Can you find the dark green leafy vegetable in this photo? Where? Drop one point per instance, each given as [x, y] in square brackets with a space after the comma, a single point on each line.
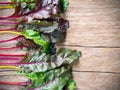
[41, 62]
[48, 80]
[71, 85]
[50, 72]
[37, 9]
[53, 30]
[24, 4]
[34, 36]
[64, 4]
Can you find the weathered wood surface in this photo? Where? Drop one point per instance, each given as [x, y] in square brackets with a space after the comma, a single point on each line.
[97, 81]
[95, 31]
[98, 59]
[94, 23]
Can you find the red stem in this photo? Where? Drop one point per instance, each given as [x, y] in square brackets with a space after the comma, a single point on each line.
[7, 2]
[17, 63]
[13, 55]
[16, 83]
[8, 23]
[12, 2]
[7, 29]
[10, 58]
[9, 48]
[12, 39]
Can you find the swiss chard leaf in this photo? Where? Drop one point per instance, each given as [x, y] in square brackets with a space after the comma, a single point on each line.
[49, 79]
[53, 30]
[35, 36]
[41, 62]
[38, 9]
[64, 5]
[71, 85]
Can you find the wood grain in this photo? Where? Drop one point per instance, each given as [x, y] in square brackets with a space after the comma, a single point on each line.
[95, 31]
[97, 81]
[94, 23]
[97, 59]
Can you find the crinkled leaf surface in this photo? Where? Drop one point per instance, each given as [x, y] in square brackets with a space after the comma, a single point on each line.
[54, 79]
[53, 30]
[41, 62]
[35, 36]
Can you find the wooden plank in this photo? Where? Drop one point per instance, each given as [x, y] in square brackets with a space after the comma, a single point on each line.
[84, 80]
[97, 81]
[98, 59]
[91, 25]
[95, 3]
[12, 78]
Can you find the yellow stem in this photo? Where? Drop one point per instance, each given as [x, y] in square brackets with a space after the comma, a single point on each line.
[11, 32]
[6, 7]
[9, 67]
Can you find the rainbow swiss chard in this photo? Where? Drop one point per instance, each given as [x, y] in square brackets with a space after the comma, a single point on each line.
[33, 35]
[46, 71]
[31, 9]
[53, 30]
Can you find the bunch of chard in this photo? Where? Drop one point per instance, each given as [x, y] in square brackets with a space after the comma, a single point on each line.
[39, 9]
[41, 28]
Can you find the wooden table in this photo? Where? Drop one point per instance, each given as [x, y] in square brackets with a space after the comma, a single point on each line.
[95, 31]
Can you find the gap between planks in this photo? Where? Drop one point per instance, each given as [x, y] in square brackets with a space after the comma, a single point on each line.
[88, 46]
[96, 72]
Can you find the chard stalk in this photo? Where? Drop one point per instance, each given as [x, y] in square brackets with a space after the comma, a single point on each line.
[13, 55]
[9, 67]
[11, 32]
[6, 7]
[15, 83]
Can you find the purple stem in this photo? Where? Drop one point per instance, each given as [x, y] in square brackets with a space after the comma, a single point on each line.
[10, 58]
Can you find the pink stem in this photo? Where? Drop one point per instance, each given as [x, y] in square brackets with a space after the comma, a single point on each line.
[12, 39]
[13, 55]
[12, 2]
[7, 2]
[9, 48]
[8, 23]
[18, 63]
[10, 58]
[16, 83]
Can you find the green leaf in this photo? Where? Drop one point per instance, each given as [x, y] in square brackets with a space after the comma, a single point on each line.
[64, 4]
[53, 30]
[71, 85]
[41, 62]
[54, 79]
[35, 36]
[24, 4]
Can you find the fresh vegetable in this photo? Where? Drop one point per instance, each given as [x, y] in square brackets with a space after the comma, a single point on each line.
[53, 30]
[32, 9]
[63, 5]
[32, 35]
[46, 71]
